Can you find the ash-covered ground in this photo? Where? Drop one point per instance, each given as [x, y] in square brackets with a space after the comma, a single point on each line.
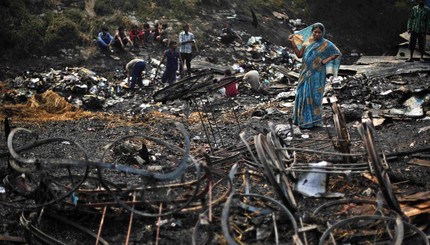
[132, 148]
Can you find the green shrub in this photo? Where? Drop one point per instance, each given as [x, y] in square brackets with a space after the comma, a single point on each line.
[103, 8]
[29, 39]
[60, 33]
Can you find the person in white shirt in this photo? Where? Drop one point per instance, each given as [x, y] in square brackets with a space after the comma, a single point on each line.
[186, 42]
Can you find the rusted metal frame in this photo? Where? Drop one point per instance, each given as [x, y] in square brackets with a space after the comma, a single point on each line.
[346, 165]
[129, 202]
[180, 170]
[355, 219]
[157, 237]
[278, 142]
[247, 186]
[33, 160]
[322, 152]
[181, 89]
[225, 222]
[205, 130]
[278, 160]
[212, 113]
[231, 103]
[181, 204]
[50, 240]
[250, 150]
[313, 144]
[38, 166]
[101, 225]
[190, 184]
[127, 239]
[342, 142]
[38, 142]
[271, 168]
[303, 167]
[215, 202]
[345, 172]
[226, 213]
[366, 130]
[14, 239]
[212, 122]
[168, 176]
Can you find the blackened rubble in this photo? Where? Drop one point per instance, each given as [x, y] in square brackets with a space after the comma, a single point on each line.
[208, 182]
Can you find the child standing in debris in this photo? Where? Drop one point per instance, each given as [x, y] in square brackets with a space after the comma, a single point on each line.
[317, 53]
[418, 26]
[134, 70]
[172, 57]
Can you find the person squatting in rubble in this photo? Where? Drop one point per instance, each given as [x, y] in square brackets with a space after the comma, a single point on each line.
[104, 40]
[418, 26]
[163, 35]
[172, 57]
[136, 36]
[186, 42]
[230, 90]
[148, 35]
[121, 39]
[134, 70]
[228, 35]
[317, 52]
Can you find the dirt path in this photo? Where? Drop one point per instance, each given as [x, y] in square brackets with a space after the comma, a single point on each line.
[89, 7]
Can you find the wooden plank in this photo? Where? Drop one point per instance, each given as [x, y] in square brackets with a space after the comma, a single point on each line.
[366, 60]
[420, 162]
[12, 239]
[416, 210]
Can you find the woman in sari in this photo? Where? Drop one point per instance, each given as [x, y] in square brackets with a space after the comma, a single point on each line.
[319, 55]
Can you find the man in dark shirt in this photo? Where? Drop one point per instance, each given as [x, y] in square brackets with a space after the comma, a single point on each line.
[418, 26]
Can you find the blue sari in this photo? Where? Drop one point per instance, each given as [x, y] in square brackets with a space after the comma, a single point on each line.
[310, 88]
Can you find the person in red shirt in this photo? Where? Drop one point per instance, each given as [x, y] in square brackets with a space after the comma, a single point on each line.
[136, 36]
[231, 88]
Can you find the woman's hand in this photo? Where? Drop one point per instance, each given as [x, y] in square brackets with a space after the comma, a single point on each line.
[326, 60]
[291, 38]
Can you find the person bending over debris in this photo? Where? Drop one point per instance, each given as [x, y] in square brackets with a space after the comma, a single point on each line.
[253, 78]
[186, 42]
[418, 26]
[317, 53]
[172, 57]
[104, 40]
[228, 35]
[134, 70]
